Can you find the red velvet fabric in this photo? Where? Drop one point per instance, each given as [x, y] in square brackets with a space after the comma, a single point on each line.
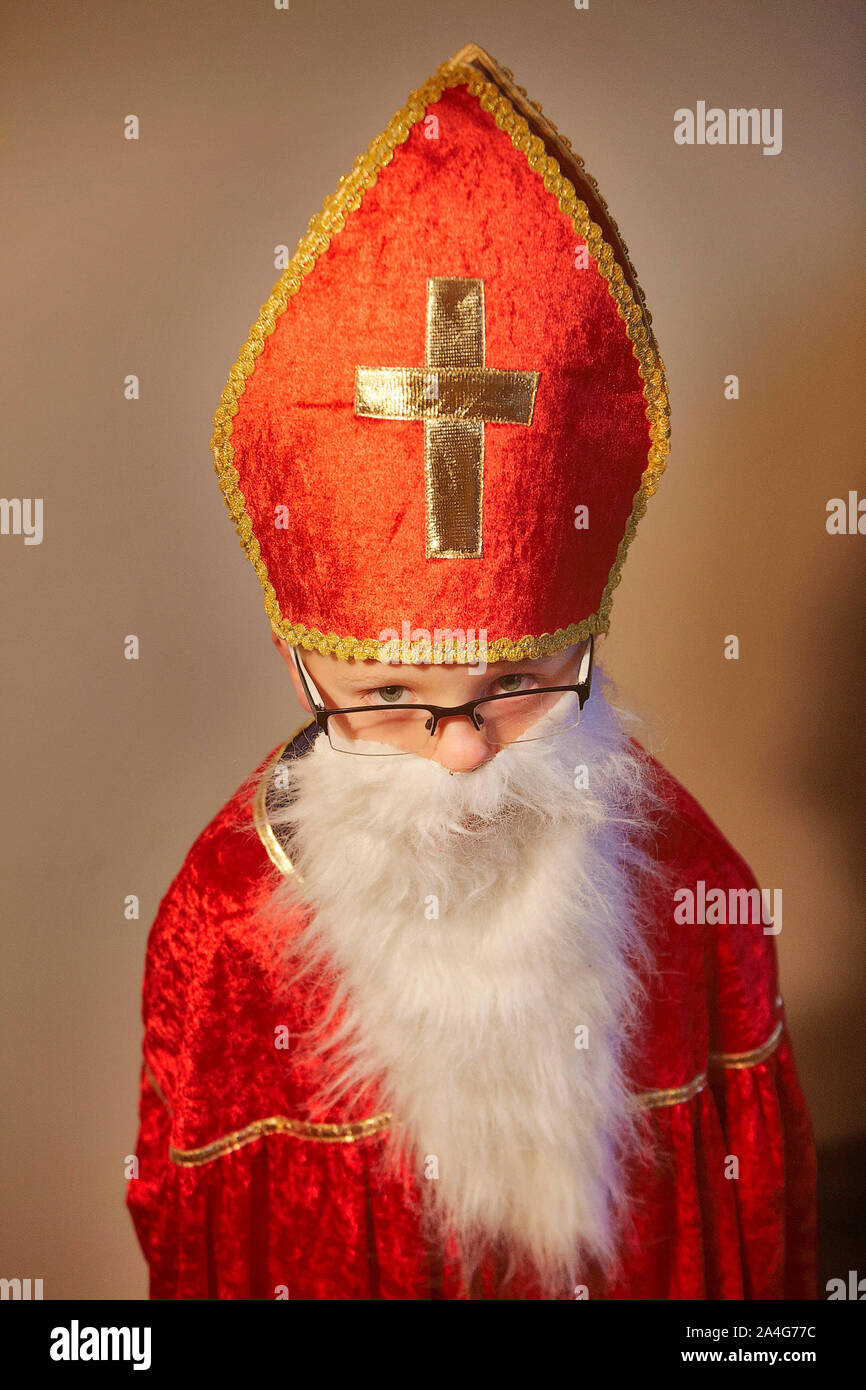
[318, 1218]
[352, 561]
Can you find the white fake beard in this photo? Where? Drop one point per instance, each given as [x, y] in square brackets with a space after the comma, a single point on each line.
[466, 1021]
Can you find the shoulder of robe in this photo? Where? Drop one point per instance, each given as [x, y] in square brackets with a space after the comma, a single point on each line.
[740, 945]
[222, 869]
[204, 917]
[688, 839]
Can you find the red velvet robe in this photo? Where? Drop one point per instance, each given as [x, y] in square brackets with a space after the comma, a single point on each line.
[244, 1192]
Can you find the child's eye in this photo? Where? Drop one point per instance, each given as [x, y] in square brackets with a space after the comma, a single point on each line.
[511, 684]
[390, 694]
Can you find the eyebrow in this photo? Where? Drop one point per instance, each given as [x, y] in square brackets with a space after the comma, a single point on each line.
[359, 682]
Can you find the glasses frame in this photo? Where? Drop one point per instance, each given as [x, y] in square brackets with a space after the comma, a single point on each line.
[323, 714]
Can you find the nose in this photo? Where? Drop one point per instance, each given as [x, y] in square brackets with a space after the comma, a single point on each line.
[458, 745]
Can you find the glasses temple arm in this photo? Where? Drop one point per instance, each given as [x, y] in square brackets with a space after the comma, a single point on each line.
[313, 698]
[584, 675]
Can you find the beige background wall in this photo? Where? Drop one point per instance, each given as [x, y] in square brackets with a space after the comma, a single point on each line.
[154, 257]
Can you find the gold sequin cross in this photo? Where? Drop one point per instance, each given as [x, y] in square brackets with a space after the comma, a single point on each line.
[456, 396]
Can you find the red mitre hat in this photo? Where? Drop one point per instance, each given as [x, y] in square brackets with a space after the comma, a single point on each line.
[451, 411]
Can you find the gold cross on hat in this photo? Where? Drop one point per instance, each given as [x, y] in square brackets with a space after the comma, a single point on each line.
[456, 396]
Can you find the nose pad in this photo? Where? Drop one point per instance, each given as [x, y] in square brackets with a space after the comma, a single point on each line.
[428, 725]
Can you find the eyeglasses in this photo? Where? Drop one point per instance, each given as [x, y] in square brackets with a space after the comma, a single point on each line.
[400, 728]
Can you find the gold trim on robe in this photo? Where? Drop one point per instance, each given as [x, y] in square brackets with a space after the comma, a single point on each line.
[352, 1131]
[675, 1095]
[671, 1095]
[155, 1086]
[274, 849]
[279, 1124]
[756, 1055]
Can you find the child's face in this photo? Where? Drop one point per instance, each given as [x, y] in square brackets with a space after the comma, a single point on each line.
[457, 744]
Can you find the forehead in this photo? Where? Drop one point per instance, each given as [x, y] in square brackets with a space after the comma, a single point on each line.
[392, 673]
